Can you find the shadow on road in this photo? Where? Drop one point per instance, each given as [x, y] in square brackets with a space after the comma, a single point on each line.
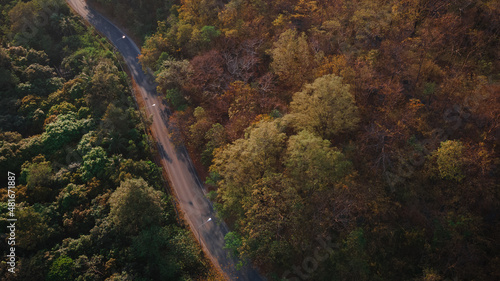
[163, 152]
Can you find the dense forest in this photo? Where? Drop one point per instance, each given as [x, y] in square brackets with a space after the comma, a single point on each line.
[342, 140]
[90, 201]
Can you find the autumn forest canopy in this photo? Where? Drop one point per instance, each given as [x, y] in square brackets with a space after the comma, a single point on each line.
[373, 123]
[365, 130]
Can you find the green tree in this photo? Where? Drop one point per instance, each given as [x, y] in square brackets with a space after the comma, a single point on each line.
[7, 76]
[172, 77]
[116, 119]
[72, 196]
[151, 248]
[173, 74]
[21, 13]
[135, 206]
[326, 107]
[40, 80]
[38, 177]
[186, 252]
[129, 168]
[209, 33]
[38, 74]
[313, 163]
[37, 172]
[65, 129]
[104, 86]
[61, 269]
[176, 99]
[32, 230]
[87, 142]
[35, 24]
[94, 163]
[232, 242]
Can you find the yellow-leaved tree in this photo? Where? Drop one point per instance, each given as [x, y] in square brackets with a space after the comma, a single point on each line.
[326, 107]
[292, 58]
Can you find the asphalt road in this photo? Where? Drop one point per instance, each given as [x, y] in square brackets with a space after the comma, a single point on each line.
[187, 187]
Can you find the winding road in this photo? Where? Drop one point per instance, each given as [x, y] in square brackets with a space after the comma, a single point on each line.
[189, 191]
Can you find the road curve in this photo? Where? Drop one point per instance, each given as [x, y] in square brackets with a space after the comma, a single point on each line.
[189, 191]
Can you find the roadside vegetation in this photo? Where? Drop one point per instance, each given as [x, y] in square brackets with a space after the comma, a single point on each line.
[90, 202]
